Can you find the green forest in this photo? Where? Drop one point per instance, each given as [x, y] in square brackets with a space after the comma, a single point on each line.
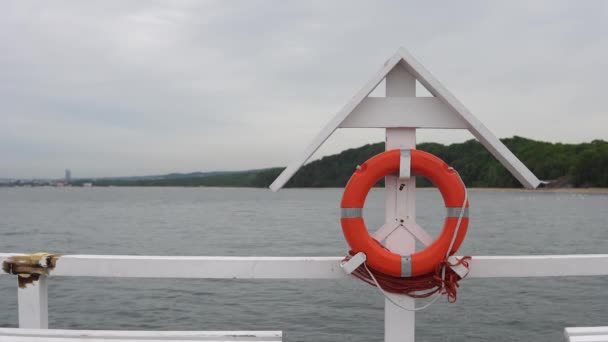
[564, 165]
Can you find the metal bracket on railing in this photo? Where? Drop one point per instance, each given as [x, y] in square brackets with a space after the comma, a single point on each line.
[30, 267]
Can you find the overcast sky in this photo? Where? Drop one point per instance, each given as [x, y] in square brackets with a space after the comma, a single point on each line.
[110, 88]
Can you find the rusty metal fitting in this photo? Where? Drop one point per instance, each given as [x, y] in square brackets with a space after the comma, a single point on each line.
[30, 267]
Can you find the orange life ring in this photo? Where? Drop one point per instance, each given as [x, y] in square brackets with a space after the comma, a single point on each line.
[378, 257]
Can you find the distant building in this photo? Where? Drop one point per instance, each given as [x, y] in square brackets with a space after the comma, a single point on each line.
[68, 176]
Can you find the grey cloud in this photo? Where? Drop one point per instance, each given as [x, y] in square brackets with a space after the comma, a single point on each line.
[127, 87]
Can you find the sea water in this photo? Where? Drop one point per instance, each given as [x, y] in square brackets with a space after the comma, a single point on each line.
[298, 222]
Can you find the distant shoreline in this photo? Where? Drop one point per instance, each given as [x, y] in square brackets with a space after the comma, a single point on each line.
[566, 167]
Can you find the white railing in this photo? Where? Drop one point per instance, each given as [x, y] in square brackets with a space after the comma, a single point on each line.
[33, 305]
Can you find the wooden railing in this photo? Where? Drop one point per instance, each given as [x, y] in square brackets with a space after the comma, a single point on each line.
[33, 304]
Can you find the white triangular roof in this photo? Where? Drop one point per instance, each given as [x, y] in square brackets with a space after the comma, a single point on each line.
[446, 107]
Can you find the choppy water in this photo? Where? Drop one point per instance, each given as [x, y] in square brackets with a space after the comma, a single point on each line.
[214, 221]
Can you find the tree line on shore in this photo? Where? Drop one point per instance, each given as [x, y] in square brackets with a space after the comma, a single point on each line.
[564, 165]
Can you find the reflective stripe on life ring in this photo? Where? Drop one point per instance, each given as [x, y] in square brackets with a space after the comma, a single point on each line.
[378, 257]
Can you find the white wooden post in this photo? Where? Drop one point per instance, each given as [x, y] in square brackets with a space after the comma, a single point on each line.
[399, 324]
[33, 305]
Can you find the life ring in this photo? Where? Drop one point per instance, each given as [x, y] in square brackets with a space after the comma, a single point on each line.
[378, 257]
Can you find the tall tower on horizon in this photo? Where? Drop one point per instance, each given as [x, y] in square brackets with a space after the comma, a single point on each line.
[68, 176]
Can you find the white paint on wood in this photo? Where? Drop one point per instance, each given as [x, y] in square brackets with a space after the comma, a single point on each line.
[586, 334]
[333, 124]
[485, 137]
[400, 138]
[582, 331]
[58, 335]
[419, 233]
[593, 338]
[401, 61]
[400, 324]
[217, 267]
[400, 205]
[539, 266]
[420, 112]
[589, 338]
[400, 83]
[387, 229]
[209, 267]
[33, 305]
